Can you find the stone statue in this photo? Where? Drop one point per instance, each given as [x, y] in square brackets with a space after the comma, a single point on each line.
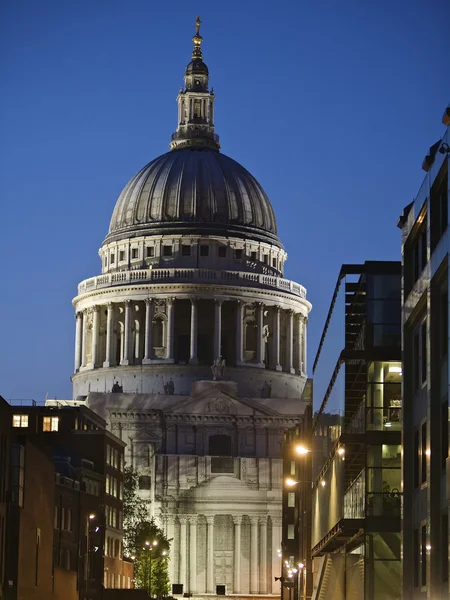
[265, 339]
[169, 388]
[218, 367]
[266, 390]
[116, 388]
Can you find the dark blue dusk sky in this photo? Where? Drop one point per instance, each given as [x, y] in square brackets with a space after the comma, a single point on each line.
[331, 105]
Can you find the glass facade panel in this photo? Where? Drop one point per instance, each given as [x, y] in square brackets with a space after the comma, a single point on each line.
[383, 566]
[383, 402]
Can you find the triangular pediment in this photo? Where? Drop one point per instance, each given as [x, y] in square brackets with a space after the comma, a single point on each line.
[219, 400]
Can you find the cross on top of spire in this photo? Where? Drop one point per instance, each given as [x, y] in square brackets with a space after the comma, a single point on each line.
[197, 39]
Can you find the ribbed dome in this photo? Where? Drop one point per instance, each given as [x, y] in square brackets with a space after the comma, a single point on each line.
[194, 191]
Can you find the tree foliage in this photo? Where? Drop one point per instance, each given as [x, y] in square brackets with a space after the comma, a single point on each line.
[143, 540]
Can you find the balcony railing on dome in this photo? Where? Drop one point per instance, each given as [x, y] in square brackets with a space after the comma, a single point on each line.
[190, 275]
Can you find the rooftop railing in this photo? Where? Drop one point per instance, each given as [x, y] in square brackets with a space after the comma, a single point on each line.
[190, 276]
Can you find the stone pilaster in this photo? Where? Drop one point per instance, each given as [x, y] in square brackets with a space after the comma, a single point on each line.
[210, 556]
[276, 338]
[95, 336]
[276, 545]
[193, 359]
[109, 361]
[254, 566]
[259, 334]
[290, 341]
[263, 557]
[192, 553]
[183, 551]
[148, 343]
[78, 340]
[237, 520]
[84, 338]
[217, 328]
[239, 332]
[170, 328]
[127, 334]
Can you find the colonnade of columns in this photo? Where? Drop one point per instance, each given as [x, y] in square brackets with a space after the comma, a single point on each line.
[124, 332]
[262, 575]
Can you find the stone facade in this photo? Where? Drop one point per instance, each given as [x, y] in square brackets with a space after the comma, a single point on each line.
[192, 276]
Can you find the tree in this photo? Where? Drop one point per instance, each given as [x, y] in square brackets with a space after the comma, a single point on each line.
[143, 540]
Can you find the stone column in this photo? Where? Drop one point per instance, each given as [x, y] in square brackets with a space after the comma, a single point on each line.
[193, 554]
[263, 557]
[78, 340]
[298, 366]
[148, 344]
[276, 338]
[171, 536]
[276, 561]
[193, 359]
[170, 328]
[305, 322]
[290, 341]
[210, 556]
[95, 335]
[127, 334]
[259, 334]
[182, 549]
[217, 328]
[239, 332]
[83, 338]
[237, 555]
[254, 575]
[109, 335]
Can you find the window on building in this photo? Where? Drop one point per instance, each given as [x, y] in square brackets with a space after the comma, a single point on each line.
[20, 420]
[416, 558]
[291, 531]
[274, 263]
[121, 255]
[55, 519]
[108, 484]
[416, 459]
[121, 490]
[144, 482]
[266, 259]
[167, 250]
[439, 207]
[219, 445]
[420, 354]
[291, 500]
[185, 250]
[50, 423]
[222, 251]
[238, 254]
[423, 555]
[197, 109]
[18, 473]
[253, 256]
[204, 250]
[292, 467]
[135, 253]
[105, 261]
[112, 259]
[150, 251]
[68, 520]
[423, 466]
[415, 255]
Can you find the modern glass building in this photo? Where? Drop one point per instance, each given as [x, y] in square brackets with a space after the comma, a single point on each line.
[356, 489]
[426, 468]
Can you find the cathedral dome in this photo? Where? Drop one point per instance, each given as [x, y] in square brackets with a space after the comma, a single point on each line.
[196, 191]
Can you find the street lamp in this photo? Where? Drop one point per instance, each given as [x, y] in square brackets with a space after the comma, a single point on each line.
[90, 517]
[149, 547]
[302, 450]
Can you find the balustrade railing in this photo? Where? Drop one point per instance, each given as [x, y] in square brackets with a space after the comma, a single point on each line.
[191, 275]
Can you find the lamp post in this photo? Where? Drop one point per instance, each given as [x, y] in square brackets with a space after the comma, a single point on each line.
[90, 517]
[149, 547]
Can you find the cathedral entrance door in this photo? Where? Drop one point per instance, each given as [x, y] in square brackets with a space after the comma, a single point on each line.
[223, 568]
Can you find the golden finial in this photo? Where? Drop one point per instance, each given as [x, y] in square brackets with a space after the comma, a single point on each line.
[197, 39]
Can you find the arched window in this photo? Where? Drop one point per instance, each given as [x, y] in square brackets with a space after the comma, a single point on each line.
[220, 445]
